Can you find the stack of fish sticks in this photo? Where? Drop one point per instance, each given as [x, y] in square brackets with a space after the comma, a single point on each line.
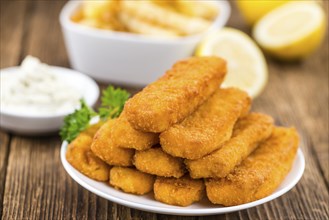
[184, 137]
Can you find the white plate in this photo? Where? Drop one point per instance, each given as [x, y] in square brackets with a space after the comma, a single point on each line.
[147, 202]
[35, 124]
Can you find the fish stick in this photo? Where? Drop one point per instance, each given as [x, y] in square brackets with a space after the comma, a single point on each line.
[208, 127]
[131, 180]
[176, 94]
[153, 13]
[248, 133]
[123, 135]
[104, 147]
[182, 192]
[80, 156]
[155, 161]
[258, 175]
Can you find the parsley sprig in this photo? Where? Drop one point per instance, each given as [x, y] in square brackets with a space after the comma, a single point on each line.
[76, 122]
[112, 103]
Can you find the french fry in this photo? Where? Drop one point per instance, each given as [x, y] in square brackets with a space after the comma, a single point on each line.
[102, 14]
[137, 25]
[156, 14]
[165, 4]
[203, 9]
[96, 9]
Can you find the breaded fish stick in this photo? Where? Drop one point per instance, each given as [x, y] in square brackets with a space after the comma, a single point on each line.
[153, 13]
[183, 191]
[176, 94]
[131, 180]
[247, 134]
[123, 135]
[80, 156]
[208, 127]
[104, 147]
[258, 175]
[155, 161]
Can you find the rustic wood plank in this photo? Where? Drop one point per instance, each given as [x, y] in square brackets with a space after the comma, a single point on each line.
[10, 35]
[12, 32]
[44, 38]
[4, 149]
[32, 179]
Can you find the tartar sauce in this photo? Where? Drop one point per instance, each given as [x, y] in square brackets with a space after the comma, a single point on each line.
[36, 90]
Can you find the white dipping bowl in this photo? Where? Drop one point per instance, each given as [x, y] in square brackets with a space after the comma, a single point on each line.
[31, 124]
[126, 58]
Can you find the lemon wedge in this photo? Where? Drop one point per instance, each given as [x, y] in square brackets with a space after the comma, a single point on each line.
[247, 69]
[253, 10]
[291, 31]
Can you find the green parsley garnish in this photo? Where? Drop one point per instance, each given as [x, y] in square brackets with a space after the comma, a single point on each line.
[76, 122]
[112, 103]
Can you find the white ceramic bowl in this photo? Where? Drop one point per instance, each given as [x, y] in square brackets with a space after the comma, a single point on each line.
[28, 124]
[125, 58]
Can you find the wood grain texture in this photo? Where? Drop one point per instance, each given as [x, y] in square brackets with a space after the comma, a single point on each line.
[10, 52]
[37, 187]
[12, 31]
[4, 149]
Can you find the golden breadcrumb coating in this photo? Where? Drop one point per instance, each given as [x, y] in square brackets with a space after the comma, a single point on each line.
[208, 127]
[260, 174]
[182, 192]
[124, 135]
[103, 146]
[175, 95]
[247, 134]
[80, 156]
[131, 180]
[157, 162]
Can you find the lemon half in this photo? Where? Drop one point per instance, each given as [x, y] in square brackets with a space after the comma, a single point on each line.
[253, 10]
[291, 31]
[247, 69]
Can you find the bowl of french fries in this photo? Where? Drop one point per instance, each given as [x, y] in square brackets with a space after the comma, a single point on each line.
[134, 42]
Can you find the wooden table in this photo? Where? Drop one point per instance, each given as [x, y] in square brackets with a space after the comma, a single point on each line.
[34, 185]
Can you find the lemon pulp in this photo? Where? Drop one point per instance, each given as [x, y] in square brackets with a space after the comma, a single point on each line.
[291, 31]
[247, 68]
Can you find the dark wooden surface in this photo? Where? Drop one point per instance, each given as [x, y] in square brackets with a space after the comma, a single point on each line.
[34, 185]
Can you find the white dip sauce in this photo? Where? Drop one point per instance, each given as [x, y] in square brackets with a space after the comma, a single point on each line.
[36, 90]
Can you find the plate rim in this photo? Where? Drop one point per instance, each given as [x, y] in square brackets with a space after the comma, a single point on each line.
[184, 212]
